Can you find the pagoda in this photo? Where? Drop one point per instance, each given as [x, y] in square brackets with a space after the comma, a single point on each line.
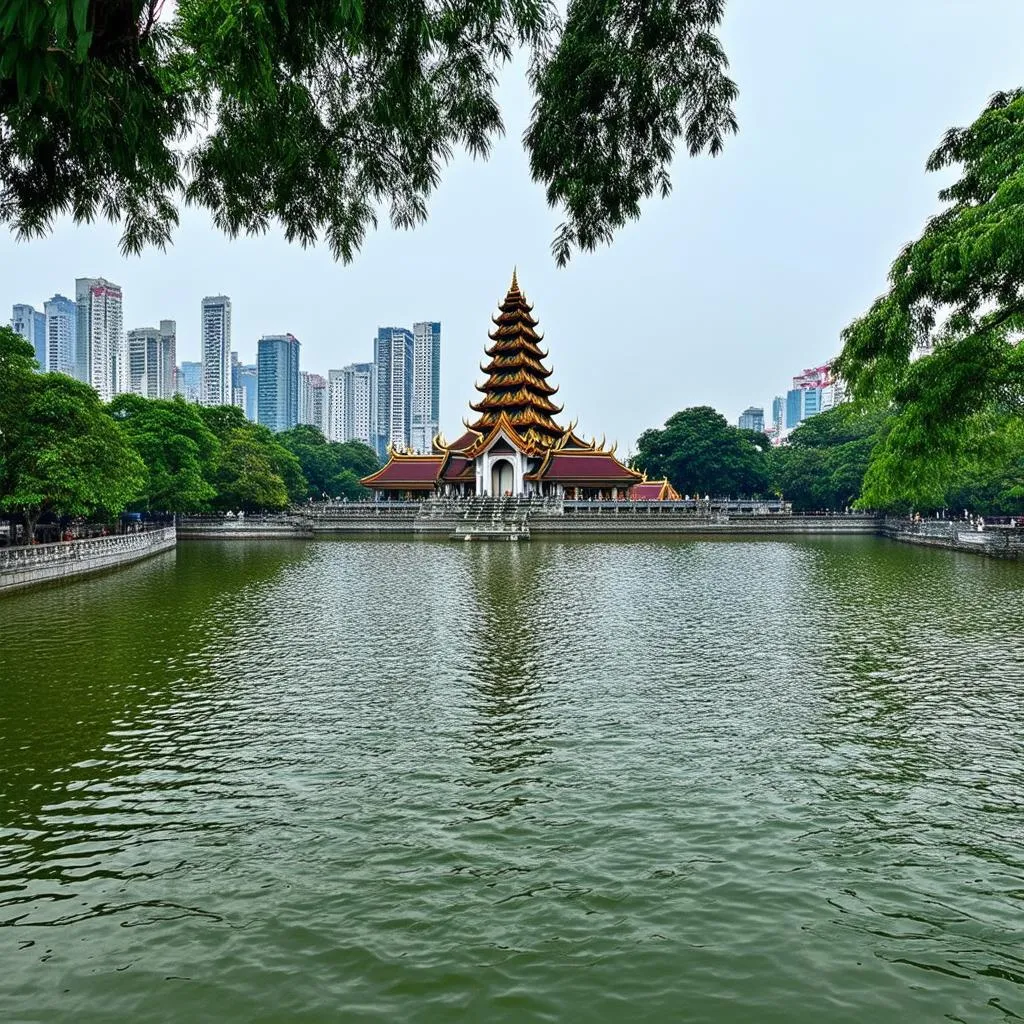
[517, 382]
[514, 447]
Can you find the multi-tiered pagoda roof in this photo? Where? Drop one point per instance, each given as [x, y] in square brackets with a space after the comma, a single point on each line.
[517, 379]
[515, 416]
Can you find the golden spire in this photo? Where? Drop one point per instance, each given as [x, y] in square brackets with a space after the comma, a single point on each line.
[516, 376]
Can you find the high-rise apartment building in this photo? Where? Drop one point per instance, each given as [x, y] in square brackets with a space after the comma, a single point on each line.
[142, 343]
[168, 355]
[277, 367]
[31, 325]
[313, 400]
[426, 385]
[102, 350]
[351, 404]
[752, 418]
[215, 340]
[392, 355]
[778, 412]
[237, 394]
[336, 394]
[248, 382]
[61, 334]
[190, 381]
[151, 360]
[811, 390]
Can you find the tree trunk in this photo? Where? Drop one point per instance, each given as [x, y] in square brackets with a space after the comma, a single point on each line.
[30, 525]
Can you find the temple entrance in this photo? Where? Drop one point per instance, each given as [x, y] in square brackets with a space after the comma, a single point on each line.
[502, 478]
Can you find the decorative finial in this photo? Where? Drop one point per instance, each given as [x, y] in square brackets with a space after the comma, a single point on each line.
[515, 282]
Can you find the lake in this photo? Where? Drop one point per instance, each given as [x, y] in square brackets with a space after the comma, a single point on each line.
[779, 780]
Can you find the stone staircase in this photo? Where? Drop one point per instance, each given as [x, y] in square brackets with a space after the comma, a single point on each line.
[493, 519]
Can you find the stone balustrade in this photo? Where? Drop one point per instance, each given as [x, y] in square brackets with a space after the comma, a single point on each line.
[997, 540]
[41, 563]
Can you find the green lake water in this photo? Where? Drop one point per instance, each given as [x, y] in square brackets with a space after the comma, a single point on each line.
[554, 781]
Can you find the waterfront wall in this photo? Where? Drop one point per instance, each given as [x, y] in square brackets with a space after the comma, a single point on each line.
[579, 518]
[284, 527]
[445, 518]
[993, 541]
[603, 522]
[44, 563]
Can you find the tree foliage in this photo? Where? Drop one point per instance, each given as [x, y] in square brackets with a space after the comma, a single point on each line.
[253, 471]
[701, 453]
[959, 288]
[177, 449]
[247, 476]
[65, 455]
[320, 115]
[823, 464]
[330, 467]
[17, 362]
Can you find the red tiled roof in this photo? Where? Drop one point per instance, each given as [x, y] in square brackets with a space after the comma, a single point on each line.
[653, 490]
[600, 467]
[417, 472]
[646, 491]
[464, 442]
[459, 469]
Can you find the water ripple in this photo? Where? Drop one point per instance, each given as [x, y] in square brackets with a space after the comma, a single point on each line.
[702, 781]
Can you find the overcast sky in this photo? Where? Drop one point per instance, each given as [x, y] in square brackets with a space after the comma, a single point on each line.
[744, 276]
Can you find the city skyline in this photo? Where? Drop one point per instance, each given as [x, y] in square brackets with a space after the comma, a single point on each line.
[393, 401]
[218, 333]
[748, 272]
[420, 419]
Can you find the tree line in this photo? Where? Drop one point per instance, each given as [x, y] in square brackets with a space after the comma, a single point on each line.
[829, 462]
[65, 454]
[935, 366]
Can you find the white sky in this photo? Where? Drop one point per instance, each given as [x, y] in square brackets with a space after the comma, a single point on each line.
[744, 276]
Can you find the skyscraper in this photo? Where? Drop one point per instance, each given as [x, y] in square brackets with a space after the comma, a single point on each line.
[807, 396]
[190, 381]
[277, 365]
[61, 334]
[215, 337]
[752, 418]
[426, 385]
[351, 404]
[237, 394]
[151, 359]
[778, 412]
[248, 381]
[142, 342]
[32, 327]
[102, 349]
[313, 400]
[168, 354]
[392, 355]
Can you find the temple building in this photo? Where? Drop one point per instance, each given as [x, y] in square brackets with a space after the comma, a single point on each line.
[514, 447]
[653, 490]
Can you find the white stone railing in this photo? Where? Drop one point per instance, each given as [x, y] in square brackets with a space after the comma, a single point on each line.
[22, 559]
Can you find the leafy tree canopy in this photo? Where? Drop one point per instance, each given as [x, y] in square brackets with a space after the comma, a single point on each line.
[222, 420]
[701, 453]
[823, 464]
[330, 467]
[67, 456]
[959, 287]
[177, 449]
[319, 115]
[247, 476]
[17, 363]
[253, 469]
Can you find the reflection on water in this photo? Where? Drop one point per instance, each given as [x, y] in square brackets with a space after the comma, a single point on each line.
[508, 672]
[776, 781]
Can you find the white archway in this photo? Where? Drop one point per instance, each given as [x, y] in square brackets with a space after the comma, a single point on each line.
[502, 477]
